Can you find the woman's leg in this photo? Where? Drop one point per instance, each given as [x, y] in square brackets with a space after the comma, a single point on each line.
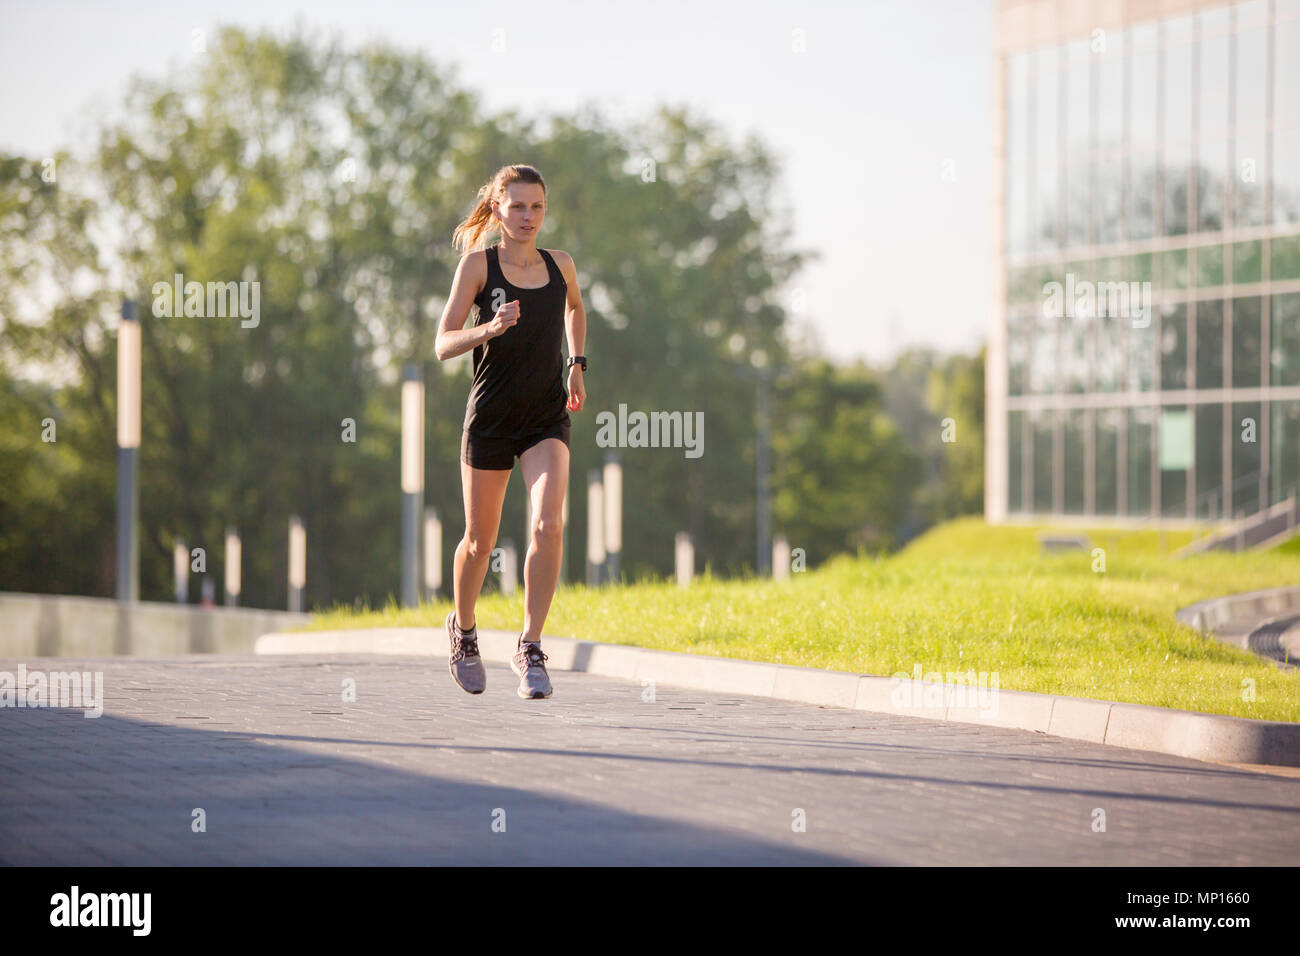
[545, 468]
[484, 492]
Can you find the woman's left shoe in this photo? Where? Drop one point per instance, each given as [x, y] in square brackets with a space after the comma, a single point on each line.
[529, 664]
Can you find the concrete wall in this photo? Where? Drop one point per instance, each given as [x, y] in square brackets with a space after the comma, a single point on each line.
[46, 625]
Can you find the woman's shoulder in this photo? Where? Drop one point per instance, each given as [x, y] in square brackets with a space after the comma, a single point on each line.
[475, 268]
[564, 262]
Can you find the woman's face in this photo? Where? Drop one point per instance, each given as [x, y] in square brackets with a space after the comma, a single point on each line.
[521, 213]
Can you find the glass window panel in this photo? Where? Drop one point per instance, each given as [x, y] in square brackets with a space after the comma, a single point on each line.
[1075, 428]
[1144, 37]
[1143, 136]
[1285, 255]
[1248, 184]
[1078, 207]
[1043, 370]
[1110, 95]
[1286, 69]
[1106, 461]
[1043, 425]
[1244, 436]
[1142, 195]
[1251, 13]
[1022, 285]
[1176, 440]
[1246, 342]
[1110, 354]
[1177, 190]
[1078, 123]
[1285, 340]
[1247, 262]
[1252, 79]
[1284, 439]
[1174, 270]
[1108, 198]
[1138, 268]
[1047, 132]
[1209, 344]
[1015, 462]
[1018, 154]
[1213, 75]
[1216, 20]
[1209, 266]
[1083, 270]
[1142, 358]
[1173, 348]
[1209, 461]
[1286, 176]
[1178, 82]
[1078, 65]
[1141, 437]
[1178, 30]
[1017, 354]
[1076, 359]
[1177, 132]
[1211, 186]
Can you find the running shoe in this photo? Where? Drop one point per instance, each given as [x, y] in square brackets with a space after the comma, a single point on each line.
[466, 665]
[529, 664]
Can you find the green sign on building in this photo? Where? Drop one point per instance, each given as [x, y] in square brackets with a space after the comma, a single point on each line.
[1175, 440]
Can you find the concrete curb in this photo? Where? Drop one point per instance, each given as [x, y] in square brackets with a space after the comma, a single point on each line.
[1199, 736]
[1248, 606]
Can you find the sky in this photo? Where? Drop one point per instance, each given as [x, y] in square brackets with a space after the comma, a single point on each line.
[878, 112]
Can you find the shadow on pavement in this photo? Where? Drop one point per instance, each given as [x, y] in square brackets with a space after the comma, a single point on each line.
[118, 791]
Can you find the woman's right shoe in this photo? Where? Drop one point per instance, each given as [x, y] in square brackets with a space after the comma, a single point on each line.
[466, 665]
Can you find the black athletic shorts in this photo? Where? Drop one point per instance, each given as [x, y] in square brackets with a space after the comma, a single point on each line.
[499, 454]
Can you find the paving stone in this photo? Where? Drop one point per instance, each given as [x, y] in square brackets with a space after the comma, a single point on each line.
[415, 772]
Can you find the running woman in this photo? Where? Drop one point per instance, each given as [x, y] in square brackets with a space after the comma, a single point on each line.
[517, 406]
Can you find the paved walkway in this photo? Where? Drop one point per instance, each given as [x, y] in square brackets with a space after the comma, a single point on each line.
[415, 771]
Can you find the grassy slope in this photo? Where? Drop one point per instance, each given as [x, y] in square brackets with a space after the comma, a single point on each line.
[965, 596]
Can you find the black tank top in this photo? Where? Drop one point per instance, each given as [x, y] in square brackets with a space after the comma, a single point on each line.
[519, 375]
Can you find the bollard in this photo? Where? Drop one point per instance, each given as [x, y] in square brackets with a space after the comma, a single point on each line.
[297, 563]
[780, 558]
[684, 559]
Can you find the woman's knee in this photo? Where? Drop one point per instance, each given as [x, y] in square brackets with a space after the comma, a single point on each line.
[478, 544]
[547, 528]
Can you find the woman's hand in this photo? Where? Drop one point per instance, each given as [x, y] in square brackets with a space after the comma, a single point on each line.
[506, 316]
[577, 393]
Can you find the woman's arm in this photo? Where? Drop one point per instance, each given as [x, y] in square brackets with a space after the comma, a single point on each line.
[575, 316]
[453, 338]
[575, 323]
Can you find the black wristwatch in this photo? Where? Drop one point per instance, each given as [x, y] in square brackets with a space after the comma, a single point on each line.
[577, 360]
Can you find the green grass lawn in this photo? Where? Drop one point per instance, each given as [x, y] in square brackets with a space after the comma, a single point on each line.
[965, 596]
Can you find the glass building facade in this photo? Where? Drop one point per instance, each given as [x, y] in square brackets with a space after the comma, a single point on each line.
[1144, 361]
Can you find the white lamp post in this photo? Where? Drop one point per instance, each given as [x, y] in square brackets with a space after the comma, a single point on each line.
[595, 528]
[128, 441]
[432, 552]
[412, 480]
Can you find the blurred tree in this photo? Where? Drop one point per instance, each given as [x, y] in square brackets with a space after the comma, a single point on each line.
[845, 475]
[333, 179]
[937, 401]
